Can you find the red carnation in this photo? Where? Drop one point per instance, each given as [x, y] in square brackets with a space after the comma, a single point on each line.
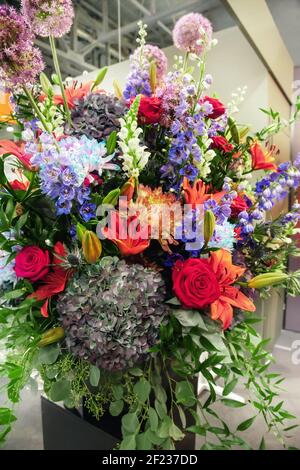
[32, 263]
[221, 143]
[194, 283]
[218, 107]
[238, 205]
[150, 110]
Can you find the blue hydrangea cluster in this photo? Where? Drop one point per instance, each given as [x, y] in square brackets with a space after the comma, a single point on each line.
[63, 168]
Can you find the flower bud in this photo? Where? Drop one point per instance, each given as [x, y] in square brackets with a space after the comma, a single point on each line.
[128, 189]
[80, 229]
[51, 336]
[91, 246]
[267, 279]
[209, 225]
[152, 74]
[112, 197]
[117, 89]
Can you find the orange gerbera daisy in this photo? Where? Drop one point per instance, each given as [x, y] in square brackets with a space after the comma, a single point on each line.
[227, 274]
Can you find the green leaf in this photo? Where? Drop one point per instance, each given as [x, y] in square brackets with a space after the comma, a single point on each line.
[48, 354]
[100, 77]
[4, 433]
[94, 376]
[153, 437]
[143, 441]
[117, 391]
[128, 443]
[229, 387]
[185, 394]
[160, 408]
[60, 390]
[116, 407]
[163, 430]
[232, 403]
[182, 416]
[173, 301]
[136, 372]
[175, 433]
[130, 423]
[160, 393]
[14, 294]
[262, 445]
[111, 143]
[246, 424]
[189, 318]
[153, 418]
[142, 389]
[6, 416]
[197, 429]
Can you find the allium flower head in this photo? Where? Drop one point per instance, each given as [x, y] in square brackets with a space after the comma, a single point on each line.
[156, 55]
[49, 17]
[20, 62]
[193, 33]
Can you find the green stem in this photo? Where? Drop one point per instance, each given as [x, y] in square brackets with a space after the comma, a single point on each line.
[186, 56]
[36, 109]
[58, 73]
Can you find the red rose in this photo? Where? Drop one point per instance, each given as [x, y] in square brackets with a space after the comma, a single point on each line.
[32, 263]
[218, 107]
[150, 110]
[221, 143]
[194, 283]
[238, 205]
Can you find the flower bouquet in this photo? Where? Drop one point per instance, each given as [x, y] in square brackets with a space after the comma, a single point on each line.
[134, 243]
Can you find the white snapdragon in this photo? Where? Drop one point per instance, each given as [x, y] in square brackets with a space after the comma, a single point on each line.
[134, 155]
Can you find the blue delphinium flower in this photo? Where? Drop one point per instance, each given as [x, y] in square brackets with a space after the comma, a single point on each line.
[63, 170]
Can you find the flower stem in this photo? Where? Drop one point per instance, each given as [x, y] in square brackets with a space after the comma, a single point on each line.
[36, 109]
[58, 73]
[39, 114]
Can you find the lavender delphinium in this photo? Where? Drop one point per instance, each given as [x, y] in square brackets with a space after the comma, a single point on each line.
[156, 55]
[49, 18]
[64, 172]
[138, 80]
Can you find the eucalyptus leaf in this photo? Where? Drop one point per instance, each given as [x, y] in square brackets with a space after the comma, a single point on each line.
[116, 407]
[60, 390]
[189, 318]
[128, 443]
[142, 389]
[94, 376]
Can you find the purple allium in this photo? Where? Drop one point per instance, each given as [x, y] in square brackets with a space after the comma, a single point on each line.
[193, 33]
[156, 55]
[49, 18]
[20, 62]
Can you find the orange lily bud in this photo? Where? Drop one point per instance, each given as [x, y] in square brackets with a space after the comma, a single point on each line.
[128, 188]
[91, 246]
[267, 279]
[51, 336]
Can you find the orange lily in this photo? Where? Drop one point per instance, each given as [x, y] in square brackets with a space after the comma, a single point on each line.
[7, 146]
[262, 160]
[119, 233]
[231, 296]
[198, 193]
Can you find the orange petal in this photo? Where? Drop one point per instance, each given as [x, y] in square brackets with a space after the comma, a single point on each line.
[221, 263]
[235, 297]
[222, 310]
